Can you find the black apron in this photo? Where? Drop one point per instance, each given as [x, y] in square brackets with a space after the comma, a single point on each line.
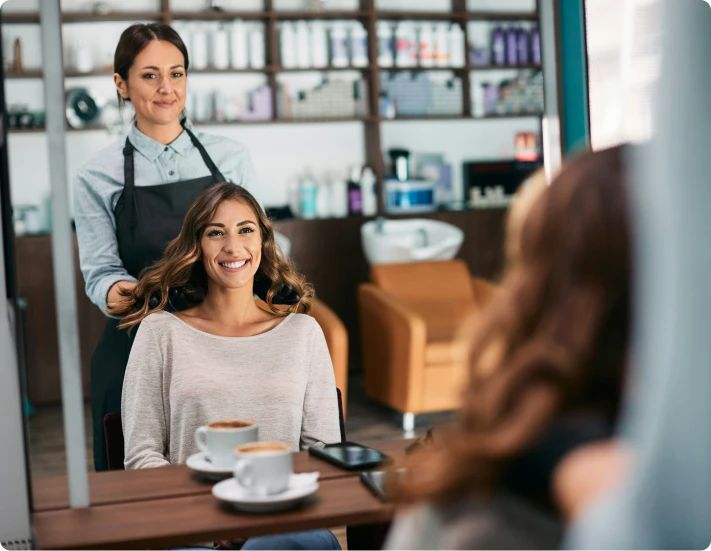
[147, 218]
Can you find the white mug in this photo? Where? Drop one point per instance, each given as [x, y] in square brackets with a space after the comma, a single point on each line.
[218, 440]
[264, 468]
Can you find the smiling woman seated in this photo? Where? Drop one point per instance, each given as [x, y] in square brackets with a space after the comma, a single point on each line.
[224, 357]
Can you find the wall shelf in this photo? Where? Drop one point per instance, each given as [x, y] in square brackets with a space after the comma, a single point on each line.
[525, 67]
[367, 14]
[31, 73]
[115, 16]
[220, 15]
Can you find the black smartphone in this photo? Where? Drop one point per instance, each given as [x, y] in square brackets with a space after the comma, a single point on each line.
[374, 481]
[350, 456]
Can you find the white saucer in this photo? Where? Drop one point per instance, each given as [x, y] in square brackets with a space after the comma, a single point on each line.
[232, 493]
[200, 463]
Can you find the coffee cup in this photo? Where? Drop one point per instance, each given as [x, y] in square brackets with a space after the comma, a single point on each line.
[264, 468]
[219, 439]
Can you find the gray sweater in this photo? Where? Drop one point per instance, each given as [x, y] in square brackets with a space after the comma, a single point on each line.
[179, 378]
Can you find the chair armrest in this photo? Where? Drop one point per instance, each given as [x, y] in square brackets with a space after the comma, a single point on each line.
[337, 342]
[483, 291]
[393, 338]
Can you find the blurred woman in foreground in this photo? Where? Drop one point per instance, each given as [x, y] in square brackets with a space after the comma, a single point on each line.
[546, 375]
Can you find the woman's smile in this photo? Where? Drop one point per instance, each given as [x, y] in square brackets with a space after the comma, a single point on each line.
[234, 265]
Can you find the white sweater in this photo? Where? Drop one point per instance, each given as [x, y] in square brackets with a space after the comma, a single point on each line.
[179, 378]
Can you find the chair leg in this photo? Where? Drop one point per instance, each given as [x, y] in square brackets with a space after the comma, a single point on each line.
[408, 422]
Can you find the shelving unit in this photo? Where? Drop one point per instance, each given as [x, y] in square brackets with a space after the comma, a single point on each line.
[368, 15]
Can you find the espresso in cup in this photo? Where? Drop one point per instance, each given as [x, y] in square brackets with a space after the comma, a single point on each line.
[219, 439]
[264, 468]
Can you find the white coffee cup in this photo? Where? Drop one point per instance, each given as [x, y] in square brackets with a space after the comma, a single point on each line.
[218, 440]
[264, 468]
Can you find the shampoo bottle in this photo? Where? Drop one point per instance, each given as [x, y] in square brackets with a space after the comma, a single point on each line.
[319, 44]
[359, 46]
[427, 49]
[303, 45]
[442, 45]
[370, 197]
[238, 45]
[385, 44]
[512, 46]
[287, 45]
[456, 46]
[339, 45]
[256, 47]
[355, 194]
[498, 46]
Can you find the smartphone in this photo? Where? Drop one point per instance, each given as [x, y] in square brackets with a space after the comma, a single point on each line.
[374, 481]
[350, 456]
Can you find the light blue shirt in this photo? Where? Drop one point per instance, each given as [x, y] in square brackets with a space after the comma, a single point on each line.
[99, 183]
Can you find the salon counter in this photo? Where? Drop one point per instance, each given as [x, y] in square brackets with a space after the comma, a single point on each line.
[328, 251]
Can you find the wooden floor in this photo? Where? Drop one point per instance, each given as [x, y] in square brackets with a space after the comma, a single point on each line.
[365, 421]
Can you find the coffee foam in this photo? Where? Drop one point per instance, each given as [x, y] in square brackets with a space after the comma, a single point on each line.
[227, 425]
[263, 447]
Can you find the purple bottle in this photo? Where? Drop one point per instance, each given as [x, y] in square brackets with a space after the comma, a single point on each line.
[512, 46]
[491, 98]
[498, 46]
[524, 50]
[536, 46]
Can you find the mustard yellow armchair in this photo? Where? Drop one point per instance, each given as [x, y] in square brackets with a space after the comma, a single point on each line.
[412, 317]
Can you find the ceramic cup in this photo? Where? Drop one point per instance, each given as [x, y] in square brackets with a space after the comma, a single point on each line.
[264, 468]
[219, 439]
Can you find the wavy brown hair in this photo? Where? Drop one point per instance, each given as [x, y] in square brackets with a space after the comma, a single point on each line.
[554, 339]
[181, 268]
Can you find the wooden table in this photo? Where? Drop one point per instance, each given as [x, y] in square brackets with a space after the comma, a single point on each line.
[168, 506]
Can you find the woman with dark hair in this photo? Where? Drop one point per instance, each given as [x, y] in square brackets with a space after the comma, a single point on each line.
[224, 357]
[546, 374]
[131, 197]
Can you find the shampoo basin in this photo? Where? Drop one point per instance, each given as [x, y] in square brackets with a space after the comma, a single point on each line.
[411, 240]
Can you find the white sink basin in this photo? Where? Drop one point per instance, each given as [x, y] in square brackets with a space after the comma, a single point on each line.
[412, 240]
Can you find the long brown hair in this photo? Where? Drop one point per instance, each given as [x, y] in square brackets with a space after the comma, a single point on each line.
[554, 339]
[181, 266]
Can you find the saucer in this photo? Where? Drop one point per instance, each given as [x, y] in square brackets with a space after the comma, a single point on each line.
[300, 486]
[200, 463]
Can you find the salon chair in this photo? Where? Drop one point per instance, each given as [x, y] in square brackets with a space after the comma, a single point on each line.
[415, 321]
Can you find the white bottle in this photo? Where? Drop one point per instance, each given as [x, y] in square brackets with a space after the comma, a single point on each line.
[339, 45]
[339, 196]
[442, 45]
[385, 44]
[456, 46]
[370, 197]
[323, 200]
[427, 46]
[256, 47]
[319, 44]
[403, 54]
[303, 45]
[83, 57]
[220, 48]
[239, 54]
[359, 46]
[199, 57]
[287, 45]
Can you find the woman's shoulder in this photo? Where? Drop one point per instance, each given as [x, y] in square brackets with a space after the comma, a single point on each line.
[159, 323]
[503, 522]
[305, 322]
[106, 161]
[230, 145]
